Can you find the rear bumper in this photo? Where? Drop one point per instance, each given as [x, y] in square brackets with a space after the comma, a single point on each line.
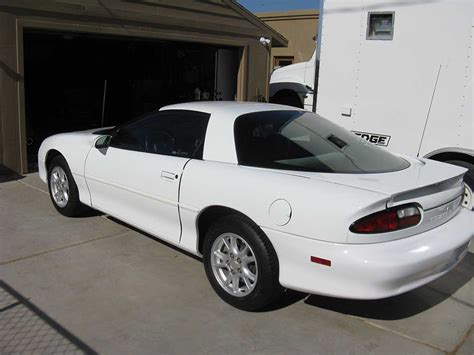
[373, 271]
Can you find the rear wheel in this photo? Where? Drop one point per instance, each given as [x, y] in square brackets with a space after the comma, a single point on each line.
[63, 189]
[241, 264]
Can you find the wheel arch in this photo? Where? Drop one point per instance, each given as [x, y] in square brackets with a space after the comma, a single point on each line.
[288, 93]
[211, 214]
[446, 154]
[451, 155]
[297, 88]
[50, 155]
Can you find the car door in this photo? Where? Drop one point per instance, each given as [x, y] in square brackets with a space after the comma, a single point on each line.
[136, 178]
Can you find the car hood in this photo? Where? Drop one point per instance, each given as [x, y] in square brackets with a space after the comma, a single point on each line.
[95, 131]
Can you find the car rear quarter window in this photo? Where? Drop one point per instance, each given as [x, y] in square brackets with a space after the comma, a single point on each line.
[298, 140]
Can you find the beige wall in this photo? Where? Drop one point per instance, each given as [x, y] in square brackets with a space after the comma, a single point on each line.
[299, 27]
[222, 23]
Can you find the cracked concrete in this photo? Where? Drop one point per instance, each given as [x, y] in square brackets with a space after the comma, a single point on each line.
[121, 291]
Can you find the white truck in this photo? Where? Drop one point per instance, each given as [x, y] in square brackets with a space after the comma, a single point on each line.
[397, 73]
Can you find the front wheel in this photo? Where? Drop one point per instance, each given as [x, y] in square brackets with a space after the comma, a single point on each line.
[63, 189]
[241, 264]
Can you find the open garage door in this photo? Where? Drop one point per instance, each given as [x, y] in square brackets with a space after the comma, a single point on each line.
[226, 75]
[77, 81]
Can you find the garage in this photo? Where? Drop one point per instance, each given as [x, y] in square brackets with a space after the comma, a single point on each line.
[95, 81]
[77, 64]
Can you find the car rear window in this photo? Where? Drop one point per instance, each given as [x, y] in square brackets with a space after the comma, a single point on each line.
[304, 141]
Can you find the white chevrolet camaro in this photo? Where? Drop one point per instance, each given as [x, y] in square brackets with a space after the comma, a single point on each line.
[271, 197]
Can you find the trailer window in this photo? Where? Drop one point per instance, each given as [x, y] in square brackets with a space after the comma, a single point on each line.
[299, 140]
[380, 25]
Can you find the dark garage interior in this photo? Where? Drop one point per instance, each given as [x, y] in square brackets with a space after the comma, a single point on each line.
[77, 81]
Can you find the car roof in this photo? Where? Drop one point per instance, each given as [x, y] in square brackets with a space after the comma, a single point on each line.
[236, 108]
[218, 145]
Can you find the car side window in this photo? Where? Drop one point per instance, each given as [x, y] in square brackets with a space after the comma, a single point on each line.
[178, 133]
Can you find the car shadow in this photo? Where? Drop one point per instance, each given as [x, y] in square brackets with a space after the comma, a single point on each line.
[113, 219]
[90, 212]
[288, 298]
[393, 308]
[407, 304]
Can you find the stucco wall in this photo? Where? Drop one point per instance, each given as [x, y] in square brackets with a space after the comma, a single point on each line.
[299, 27]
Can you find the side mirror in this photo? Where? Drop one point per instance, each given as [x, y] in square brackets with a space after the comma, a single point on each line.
[103, 142]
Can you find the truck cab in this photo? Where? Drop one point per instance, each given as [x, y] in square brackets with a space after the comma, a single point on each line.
[294, 84]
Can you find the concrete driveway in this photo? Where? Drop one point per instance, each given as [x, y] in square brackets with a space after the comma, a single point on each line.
[91, 284]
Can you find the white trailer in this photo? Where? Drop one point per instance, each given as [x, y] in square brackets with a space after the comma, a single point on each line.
[398, 73]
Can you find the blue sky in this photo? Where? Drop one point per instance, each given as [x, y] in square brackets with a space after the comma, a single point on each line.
[277, 5]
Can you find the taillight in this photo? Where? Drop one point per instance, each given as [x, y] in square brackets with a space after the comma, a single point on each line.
[390, 220]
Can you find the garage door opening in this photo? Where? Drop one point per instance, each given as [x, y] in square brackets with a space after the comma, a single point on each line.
[79, 81]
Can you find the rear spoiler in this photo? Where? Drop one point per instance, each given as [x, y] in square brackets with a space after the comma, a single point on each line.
[430, 196]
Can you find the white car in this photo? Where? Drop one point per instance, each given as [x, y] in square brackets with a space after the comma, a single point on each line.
[271, 197]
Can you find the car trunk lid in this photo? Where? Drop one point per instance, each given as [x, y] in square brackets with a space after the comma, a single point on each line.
[426, 182]
[437, 187]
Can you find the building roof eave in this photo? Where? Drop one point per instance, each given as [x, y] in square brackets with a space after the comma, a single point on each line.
[278, 40]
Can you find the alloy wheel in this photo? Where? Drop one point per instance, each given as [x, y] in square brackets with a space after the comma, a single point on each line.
[59, 186]
[234, 264]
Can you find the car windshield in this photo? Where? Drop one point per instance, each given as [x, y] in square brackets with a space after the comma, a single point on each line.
[296, 140]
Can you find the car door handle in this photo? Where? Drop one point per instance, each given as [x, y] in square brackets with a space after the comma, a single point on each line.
[167, 175]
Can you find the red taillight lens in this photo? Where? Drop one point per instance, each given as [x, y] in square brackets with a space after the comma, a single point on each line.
[388, 221]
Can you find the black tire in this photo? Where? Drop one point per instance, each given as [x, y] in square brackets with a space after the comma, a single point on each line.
[267, 289]
[469, 175]
[288, 98]
[73, 207]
